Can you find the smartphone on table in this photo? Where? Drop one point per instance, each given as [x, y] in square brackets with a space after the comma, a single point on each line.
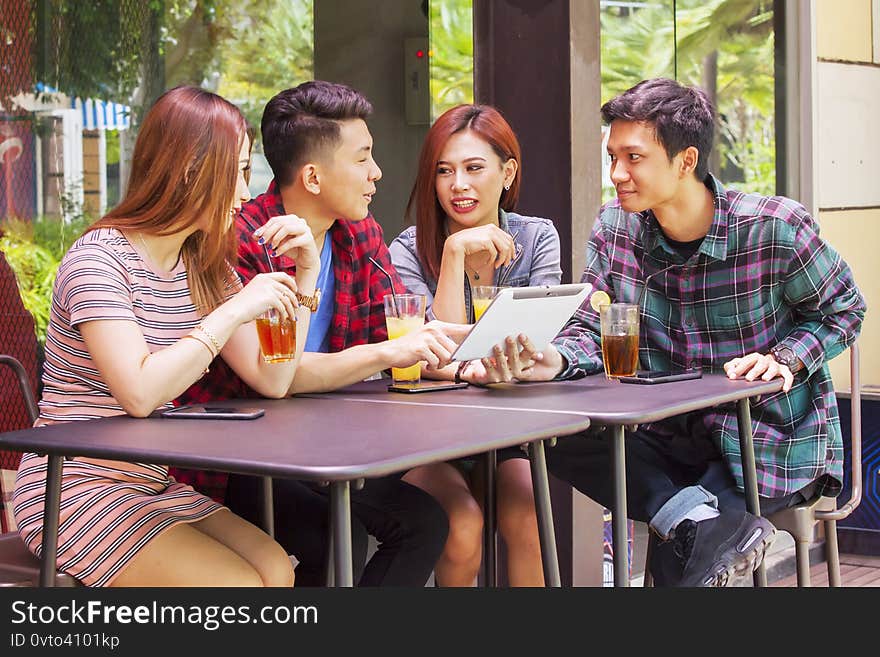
[213, 412]
[425, 386]
[662, 376]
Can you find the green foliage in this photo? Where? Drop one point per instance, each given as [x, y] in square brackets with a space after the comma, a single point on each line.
[34, 251]
[452, 54]
[112, 142]
[640, 43]
[91, 49]
[273, 50]
[245, 50]
[131, 50]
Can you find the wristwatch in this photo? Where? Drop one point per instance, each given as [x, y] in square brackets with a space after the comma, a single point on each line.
[310, 302]
[785, 356]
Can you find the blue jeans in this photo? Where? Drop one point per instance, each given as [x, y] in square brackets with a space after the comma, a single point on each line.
[666, 475]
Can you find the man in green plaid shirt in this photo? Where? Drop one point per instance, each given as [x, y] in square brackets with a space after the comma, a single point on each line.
[728, 282]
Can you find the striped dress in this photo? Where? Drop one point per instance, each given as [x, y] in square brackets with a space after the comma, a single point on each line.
[109, 510]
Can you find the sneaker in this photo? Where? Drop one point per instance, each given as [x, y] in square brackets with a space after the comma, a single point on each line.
[709, 553]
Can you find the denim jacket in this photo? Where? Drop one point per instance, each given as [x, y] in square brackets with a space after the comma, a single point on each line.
[537, 264]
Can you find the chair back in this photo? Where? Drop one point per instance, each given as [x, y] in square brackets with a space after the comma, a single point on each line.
[844, 510]
[24, 386]
[17, 340]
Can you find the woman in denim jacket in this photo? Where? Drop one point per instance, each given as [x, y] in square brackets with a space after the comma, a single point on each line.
[466, 234]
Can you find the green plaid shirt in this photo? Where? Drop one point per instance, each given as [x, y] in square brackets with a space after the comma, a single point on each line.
[762, 277]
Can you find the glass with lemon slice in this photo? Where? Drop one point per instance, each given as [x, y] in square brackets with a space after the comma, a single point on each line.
[619, 323]
[599, 298]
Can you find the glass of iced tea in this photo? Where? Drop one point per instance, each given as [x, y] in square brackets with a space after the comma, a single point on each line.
[620, 338]
[277, 336]
[404, 313]
[481, 297]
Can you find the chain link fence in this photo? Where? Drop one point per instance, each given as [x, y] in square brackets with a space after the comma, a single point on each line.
[63, 64]
[76, 76]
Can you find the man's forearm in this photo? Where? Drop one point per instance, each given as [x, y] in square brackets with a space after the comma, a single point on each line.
[320, 372]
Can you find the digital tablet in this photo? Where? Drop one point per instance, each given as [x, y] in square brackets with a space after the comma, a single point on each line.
[538, 312]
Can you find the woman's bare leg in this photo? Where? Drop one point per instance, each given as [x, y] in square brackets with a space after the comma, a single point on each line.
[518, 523]
[221, 550]
[460, 561]
[252, 544]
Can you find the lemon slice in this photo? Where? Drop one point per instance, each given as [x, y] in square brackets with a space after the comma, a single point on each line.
[599, 298]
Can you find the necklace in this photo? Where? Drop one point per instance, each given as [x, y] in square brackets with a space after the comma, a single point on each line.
[147, 249]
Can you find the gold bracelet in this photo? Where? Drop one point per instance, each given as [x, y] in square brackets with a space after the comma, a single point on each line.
[203, 342]
[210, 336]
[205, 345]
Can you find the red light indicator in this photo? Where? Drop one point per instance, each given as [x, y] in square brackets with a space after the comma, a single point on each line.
[420, 53]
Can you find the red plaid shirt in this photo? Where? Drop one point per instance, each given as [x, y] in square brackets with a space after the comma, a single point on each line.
[358, 313]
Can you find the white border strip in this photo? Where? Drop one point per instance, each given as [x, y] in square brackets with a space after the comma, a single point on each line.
[477, 406]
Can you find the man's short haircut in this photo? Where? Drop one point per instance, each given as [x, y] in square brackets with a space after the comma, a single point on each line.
[681, 116]
[301, 122]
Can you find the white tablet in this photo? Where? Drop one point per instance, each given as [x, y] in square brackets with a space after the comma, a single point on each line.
[538, 312]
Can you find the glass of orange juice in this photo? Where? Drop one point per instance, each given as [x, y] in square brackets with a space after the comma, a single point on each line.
[481, 297]
[404, 313]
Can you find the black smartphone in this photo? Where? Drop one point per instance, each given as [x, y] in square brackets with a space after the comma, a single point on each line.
[663, 376]
[213, 413]
[426, 386]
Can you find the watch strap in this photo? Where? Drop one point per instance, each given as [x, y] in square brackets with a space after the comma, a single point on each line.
[785, 355]
[309, 301]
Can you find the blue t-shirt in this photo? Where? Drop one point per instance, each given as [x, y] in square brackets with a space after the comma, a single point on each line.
[319, 326]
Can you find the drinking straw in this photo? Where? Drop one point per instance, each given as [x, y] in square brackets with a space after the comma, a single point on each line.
[394, 305]
[268, 257]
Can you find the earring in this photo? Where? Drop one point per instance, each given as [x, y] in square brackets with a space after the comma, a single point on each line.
[507, 188]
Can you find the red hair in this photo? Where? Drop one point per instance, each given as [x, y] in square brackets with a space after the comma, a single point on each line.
[185, 169]
[423, 206]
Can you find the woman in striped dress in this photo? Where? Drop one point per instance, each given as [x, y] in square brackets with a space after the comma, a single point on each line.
[142, 304]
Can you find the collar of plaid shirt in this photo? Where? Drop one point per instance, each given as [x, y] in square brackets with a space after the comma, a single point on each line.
[358, 316]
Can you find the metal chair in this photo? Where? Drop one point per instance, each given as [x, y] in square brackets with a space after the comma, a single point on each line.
[800, 521]
[18, 567]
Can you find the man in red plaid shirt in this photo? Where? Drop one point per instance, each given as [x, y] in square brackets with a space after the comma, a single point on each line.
[320, 150]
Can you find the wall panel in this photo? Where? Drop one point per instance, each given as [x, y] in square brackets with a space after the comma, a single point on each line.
[855, 234]
[848, 150]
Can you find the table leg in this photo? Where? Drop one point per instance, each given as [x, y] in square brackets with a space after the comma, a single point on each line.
[268, 507]
[618, 515]
[490, 576]
[340, 505]
[330, 579]
[750, 475]
[541, 488]
[48, 563]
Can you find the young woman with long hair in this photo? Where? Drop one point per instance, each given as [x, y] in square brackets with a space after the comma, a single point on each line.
[142, 304]
[465, 234]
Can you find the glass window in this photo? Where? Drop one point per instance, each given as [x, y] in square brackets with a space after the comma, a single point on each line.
[451, 34]
[724, 46]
